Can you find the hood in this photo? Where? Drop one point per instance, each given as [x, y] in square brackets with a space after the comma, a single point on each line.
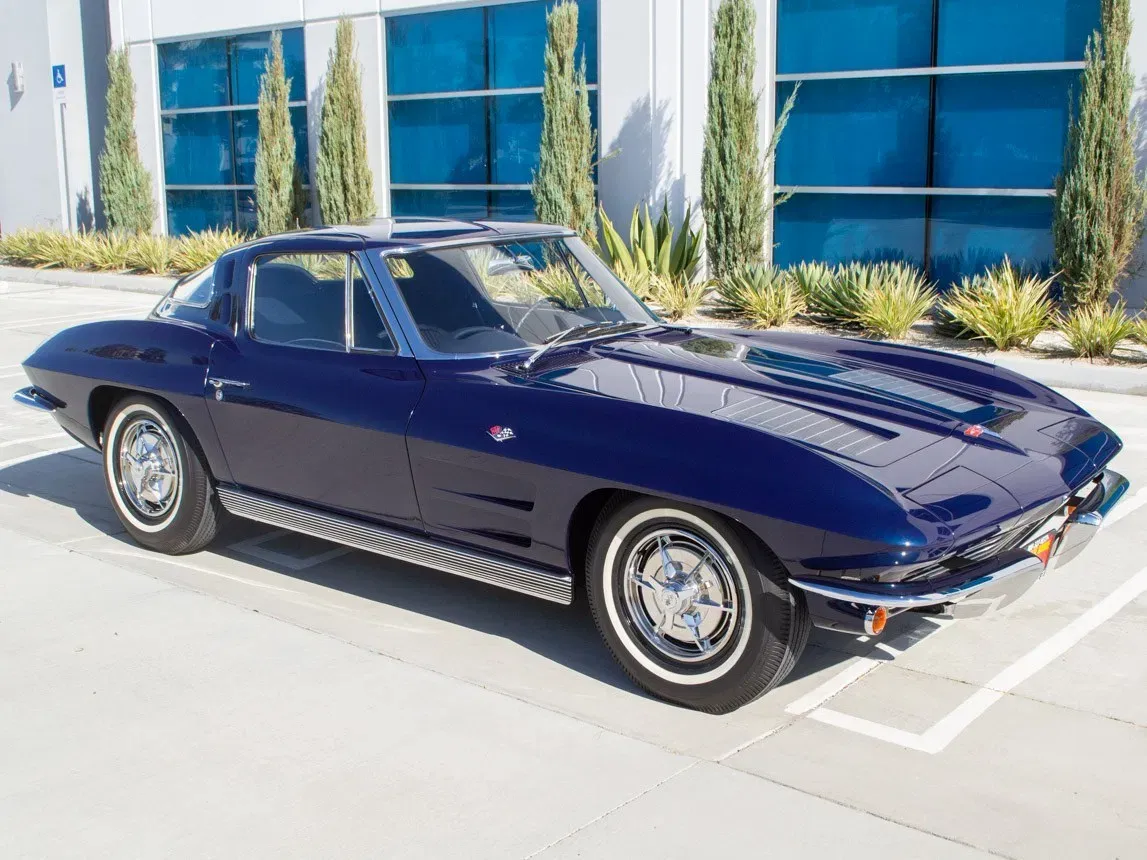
[901, 415]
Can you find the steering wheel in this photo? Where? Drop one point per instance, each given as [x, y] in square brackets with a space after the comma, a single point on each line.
[553, 300]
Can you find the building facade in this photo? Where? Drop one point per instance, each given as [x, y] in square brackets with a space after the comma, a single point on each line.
[923, 130]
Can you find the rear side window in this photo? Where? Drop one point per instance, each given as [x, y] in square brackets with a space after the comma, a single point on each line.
[300, 300]
[196, 288]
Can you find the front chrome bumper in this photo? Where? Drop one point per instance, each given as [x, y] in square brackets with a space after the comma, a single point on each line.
[972, 591]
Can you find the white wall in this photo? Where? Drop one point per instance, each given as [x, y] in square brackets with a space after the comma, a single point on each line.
[1135, 288]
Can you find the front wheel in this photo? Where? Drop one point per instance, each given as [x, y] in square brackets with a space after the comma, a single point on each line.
[694, 611]
[157, 481]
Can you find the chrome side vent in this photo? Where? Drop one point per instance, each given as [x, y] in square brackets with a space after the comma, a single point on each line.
[555, 587]
[803, 425]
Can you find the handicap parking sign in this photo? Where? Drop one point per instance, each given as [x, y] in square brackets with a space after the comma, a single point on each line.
[59, 77]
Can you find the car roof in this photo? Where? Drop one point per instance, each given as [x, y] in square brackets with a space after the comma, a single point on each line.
[413, 232]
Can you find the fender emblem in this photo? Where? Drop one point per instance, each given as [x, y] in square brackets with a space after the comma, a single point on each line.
[501, 434]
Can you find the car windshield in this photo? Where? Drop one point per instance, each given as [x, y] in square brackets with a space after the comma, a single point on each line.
[502, 296]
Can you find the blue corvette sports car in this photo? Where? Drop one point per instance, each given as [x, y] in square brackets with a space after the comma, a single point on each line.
[489, 400]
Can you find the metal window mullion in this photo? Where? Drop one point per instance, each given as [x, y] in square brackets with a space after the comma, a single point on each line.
[921, 71]
[223, 108]
[912, 190]
[930, 155]
[463, 94]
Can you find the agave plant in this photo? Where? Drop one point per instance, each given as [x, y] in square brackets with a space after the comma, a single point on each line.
[895, 300]
[1005, 306]
[653, 249]
[677, 297]
[151, 254]
[1093, 331]
[1139, 329]
[839, 299]
[766, 295]
[811, 277]
[198, 250]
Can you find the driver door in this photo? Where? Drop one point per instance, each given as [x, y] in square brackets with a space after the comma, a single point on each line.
[312, 398]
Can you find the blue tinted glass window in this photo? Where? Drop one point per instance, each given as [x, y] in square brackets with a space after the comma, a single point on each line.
[192, 211]
[468, 205]
[840, 35]
[438, 140]
[197, 149]
[246, 127]
[436, 52]
[838, 228]
[517, 39]
[515, 137]
[968, 234]
[1001, 131]
[977, 32]
[248, 62]
[193, 74]
[512, 206]
[863, 131]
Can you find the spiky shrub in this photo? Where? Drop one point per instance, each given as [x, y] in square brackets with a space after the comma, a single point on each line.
[278, 182]
[765, 295]
[734, 198]
[653, 247]
[1139, 329]
[197, 250]
[811, 278]
[343, 175]
[1100, 198]
[1093, 331]
[1006, 307]
[125, 184]
[151, 254]
[899, 298]
[563, 183]
[839, 299]
[677, 297]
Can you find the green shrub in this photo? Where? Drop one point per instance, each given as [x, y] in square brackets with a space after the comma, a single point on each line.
[677, 297]
[811, 277]
[894, 303]
[151, 254]
[1004, 306]
[1139, 329]
[198, 250]
[117, 252]
[563, 187]
[278, 181]
[766, 295]
[839, 299]
[1093, 331]
[125, 184]
[653, 248]
[343, 175]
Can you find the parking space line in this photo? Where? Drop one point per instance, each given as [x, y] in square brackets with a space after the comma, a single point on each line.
[1127, 506]
[942, 733]
[16, 461]
[165, 559]
[71, 319]
[254, 547]
[30, 439]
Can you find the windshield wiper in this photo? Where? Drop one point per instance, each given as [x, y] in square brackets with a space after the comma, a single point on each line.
[575, 332]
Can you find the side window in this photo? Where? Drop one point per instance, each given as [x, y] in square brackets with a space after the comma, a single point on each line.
[196, 288]
[300, 300]
[370, 330]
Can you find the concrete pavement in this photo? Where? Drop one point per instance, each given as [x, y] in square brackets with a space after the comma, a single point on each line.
[277, 695]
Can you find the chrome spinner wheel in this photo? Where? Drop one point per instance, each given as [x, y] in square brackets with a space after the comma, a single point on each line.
[680, 595]
[147, 473]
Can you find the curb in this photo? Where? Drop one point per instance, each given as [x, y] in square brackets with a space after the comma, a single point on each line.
[156, 285]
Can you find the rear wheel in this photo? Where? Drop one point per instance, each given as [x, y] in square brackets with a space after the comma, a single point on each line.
[158, 484]
[695, 612]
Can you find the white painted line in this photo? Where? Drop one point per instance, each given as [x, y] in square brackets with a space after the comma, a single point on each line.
[15, 461]
[1127, 506]
[851, 674]
[950, 727]
[30, 439]
[169, 560]
[11, 375]
[254, 547]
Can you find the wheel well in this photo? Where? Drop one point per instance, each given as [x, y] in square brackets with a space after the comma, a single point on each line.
[582, 520]
[104, 398]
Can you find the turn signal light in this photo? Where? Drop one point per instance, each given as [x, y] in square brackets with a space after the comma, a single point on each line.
[874, 621]
[1041, 549]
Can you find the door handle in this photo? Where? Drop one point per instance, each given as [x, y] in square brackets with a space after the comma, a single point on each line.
[219, 384]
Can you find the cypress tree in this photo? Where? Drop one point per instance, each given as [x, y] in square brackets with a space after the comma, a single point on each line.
[125, 184]
[345, 181]
[1100, 199]
[278, 182]
[563, 183]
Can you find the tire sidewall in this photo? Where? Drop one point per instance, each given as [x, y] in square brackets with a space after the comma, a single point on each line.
[763, 626]
[145, 529]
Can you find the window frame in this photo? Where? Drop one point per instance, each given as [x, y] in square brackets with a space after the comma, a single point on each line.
[349, 348]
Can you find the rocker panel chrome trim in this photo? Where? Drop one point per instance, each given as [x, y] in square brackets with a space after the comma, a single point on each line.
[555, 587]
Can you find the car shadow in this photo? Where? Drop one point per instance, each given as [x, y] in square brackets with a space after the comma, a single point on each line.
[563, 634]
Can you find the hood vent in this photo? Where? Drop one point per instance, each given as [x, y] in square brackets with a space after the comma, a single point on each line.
[803, 425]
[896, 386]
